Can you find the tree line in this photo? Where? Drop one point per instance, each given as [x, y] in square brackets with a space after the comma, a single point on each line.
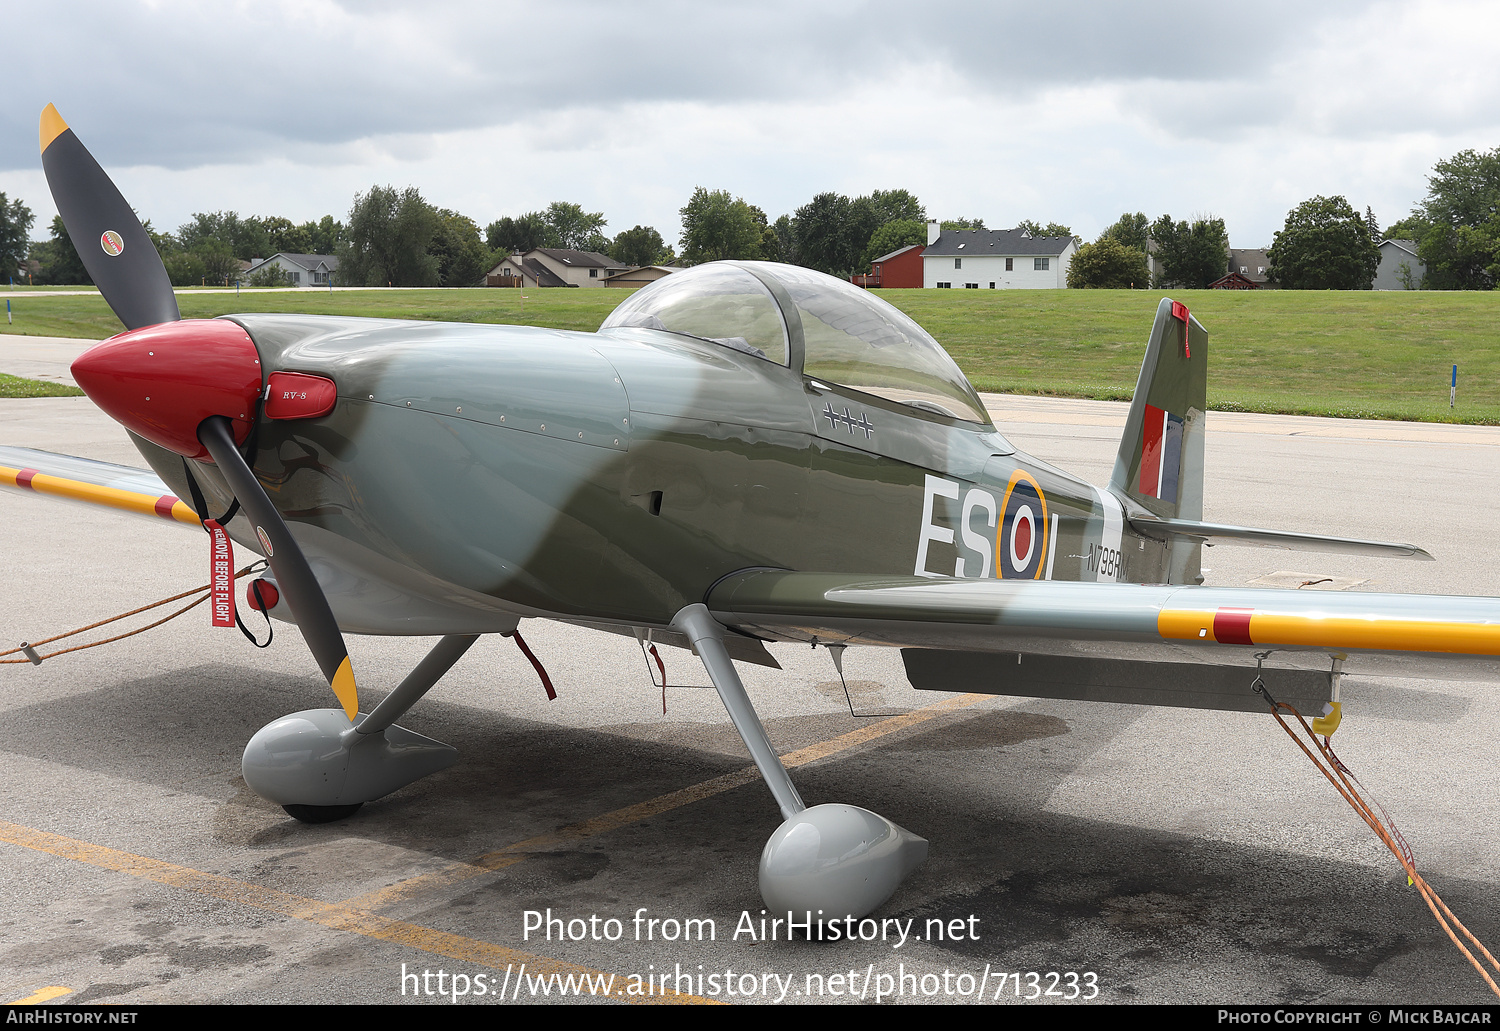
[396, 237]
[1457, 228]
[207, 249]
[1325, 242]
[1324, 245]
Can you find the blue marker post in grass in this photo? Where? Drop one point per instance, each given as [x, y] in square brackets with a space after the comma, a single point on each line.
[8, 320]
[1453, 388]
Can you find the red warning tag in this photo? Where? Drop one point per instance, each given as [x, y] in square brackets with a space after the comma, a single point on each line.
[220, 574]
[1180, 311]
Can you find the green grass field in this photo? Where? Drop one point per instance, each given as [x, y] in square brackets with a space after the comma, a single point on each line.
[16, 386]
[1352, 354]
[22, 288]
[88, 316]
[1386, 355]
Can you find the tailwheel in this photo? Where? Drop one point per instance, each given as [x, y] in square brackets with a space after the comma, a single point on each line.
[321, 813]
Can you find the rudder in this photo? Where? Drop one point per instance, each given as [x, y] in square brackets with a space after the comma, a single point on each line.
[1160, 462]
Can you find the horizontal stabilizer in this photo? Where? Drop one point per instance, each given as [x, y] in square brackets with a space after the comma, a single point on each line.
[1222, 533]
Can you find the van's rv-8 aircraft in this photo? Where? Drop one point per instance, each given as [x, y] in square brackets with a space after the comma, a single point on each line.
[670, 476]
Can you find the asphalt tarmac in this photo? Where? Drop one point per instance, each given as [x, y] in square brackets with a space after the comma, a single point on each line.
[1141, 855]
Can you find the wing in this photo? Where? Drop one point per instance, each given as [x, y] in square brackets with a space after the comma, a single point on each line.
[97, 483]
[1155, 644]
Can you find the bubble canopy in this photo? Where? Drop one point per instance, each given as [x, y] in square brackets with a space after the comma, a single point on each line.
[847, 336]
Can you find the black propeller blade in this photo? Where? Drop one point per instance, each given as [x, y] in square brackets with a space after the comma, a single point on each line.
[293, 575]
[204, 367]
[109, 238]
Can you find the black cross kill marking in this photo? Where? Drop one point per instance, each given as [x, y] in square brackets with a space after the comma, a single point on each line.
[849, 422]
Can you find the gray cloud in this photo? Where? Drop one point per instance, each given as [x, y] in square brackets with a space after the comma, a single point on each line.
[1068, 111]
[186, 85]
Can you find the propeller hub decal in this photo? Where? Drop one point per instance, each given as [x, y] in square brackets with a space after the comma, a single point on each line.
[111, 243]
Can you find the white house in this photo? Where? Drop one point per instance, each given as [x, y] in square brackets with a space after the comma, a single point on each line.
[554, 266]
[300, 269]
[995, 259]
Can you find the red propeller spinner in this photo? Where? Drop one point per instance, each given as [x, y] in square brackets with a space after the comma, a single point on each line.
[162, 381]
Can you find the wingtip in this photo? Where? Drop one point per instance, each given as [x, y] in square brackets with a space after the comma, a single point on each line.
[52, 126]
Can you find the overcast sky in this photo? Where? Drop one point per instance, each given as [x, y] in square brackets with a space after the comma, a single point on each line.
[1067, 112]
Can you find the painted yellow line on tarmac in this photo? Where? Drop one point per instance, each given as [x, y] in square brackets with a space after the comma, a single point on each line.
[510, 855]
[873, 731]
[336, 916]
[44, 995]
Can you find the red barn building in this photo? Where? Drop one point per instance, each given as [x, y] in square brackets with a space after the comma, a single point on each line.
[898, 270]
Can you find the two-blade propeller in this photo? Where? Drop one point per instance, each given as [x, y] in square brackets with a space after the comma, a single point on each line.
[205, 376]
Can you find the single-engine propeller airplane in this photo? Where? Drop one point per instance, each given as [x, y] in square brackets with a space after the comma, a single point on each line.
[672, 476]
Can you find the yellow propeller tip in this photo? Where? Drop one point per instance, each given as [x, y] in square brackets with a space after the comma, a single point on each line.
[344, 689]
[52, 126]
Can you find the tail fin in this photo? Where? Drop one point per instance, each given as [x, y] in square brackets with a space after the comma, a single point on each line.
[1160, 462]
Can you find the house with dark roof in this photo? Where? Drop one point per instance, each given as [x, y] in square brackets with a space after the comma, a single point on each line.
[555, 266]
[1249, 269]
[300, 269]
[995, 259]
[1400, 268]
[520, 271]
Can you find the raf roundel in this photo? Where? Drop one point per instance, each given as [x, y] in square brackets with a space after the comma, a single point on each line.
[111, 243]
[1022, 544]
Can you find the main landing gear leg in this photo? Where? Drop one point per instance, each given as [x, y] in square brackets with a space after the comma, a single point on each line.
[320, 767]
[834, 860]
